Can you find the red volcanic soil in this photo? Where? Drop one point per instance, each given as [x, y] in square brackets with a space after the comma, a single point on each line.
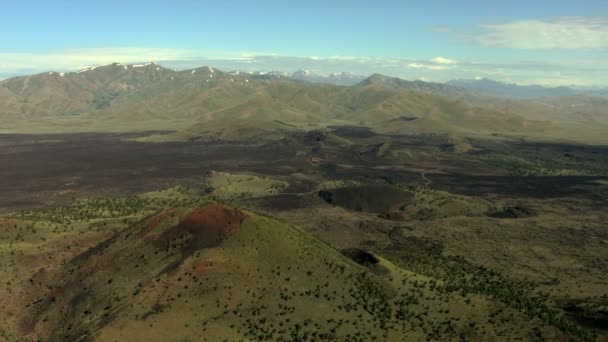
[206, 227]
[123, 265]
[200, 266]
[5, 221]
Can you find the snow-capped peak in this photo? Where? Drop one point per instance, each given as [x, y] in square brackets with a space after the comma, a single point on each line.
[143, 65]
[121, 65]
[340, 74]
[88, 69]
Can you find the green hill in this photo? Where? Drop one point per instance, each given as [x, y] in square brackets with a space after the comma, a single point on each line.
[216, 272]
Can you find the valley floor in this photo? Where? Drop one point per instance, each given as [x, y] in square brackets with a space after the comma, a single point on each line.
[507, 239]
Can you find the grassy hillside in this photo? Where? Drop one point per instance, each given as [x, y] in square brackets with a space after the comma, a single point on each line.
[214, 272]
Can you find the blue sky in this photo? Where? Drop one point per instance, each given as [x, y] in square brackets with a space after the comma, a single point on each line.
[550, 42]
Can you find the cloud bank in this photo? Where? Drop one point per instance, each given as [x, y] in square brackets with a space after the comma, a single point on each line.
[561, 33]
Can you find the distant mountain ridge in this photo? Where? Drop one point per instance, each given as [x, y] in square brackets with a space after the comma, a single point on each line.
[483, 86]
[150, 97]
[337, 78]
[418, 85]
[496, 88]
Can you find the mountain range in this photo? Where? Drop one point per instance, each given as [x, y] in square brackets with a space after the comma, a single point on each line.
[339, 78]
[479, 85]
[496, 88]
[151, 97]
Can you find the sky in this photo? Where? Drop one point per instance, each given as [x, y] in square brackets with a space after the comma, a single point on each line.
[549, 42]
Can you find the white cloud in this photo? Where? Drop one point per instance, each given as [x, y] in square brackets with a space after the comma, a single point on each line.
[427, 66]
[344, 58]
[437, 63]
[441, 60]
[561, 33]
[416, 65]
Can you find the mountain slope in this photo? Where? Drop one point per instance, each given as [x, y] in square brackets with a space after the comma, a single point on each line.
[496, 88]
[92, 88]
[217, 272]
[429, 87]
[338, 78]
[150, 97]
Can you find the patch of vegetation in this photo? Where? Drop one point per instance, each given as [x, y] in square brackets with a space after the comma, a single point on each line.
[337, 184]
[458, 276]
[516, 166]
[383, 149]
[544, 159]
[429, 204]
[86, 210]
[512, 212]
[226, 186]
[104, 99]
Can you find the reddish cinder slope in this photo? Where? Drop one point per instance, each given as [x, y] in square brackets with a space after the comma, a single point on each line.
[207, 226]
[95, 287]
